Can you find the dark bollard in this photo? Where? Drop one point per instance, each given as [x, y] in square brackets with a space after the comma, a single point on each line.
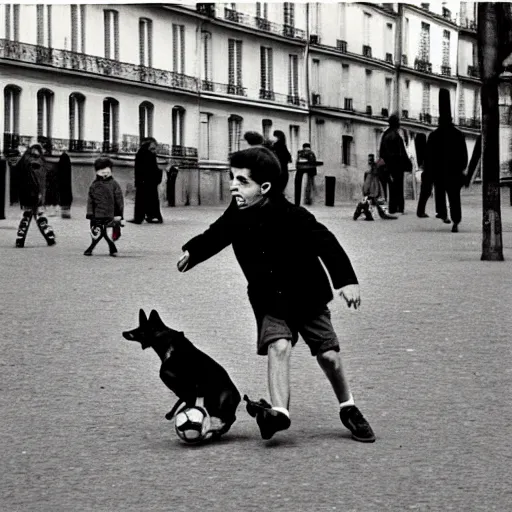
[3, 168]
[330, 188]
[172, 174]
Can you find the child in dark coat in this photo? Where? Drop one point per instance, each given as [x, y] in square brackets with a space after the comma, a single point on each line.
[373, 195]
[105, 206]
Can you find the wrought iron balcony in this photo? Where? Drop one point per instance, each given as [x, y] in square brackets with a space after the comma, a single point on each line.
[262, 24]
[206, 9]
[422, 65]
[64, 59]
[367, 51]
[232, 15]
[267, 95]
[314, 39]
[425, 117]
[389, 58]
[348, 104]
[470, 122]
[236, 89]
[316, 99]
[369, 110]
[446, 70]
[295, 100]
[474, 71]
[341, 46]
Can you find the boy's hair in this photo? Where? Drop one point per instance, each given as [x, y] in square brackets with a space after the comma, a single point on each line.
[262, 163]
[102, 163]
[253, 138]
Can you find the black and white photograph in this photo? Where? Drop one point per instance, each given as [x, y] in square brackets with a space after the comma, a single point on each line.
[255, 256]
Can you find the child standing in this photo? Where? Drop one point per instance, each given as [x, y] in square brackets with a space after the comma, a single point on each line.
[105, 206]
[279, 247]
[31, 175]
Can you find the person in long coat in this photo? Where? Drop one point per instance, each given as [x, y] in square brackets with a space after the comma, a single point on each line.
[283, 155]
[65, 188]
[446, 160]
[147, 178]
[393, 152]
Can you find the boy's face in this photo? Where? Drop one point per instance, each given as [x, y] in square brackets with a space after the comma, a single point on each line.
[104, 173]
[245, 190]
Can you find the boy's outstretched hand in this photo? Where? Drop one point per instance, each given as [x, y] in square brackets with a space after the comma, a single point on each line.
[351, 294]
[183, 261]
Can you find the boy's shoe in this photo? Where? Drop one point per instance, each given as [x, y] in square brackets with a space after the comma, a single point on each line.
[352, 419]
[20, 243]
[113, 254]
[87, 253]
[269, 420]
[455, 228]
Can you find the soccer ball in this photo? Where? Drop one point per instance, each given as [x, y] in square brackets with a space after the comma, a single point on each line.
[192, 424]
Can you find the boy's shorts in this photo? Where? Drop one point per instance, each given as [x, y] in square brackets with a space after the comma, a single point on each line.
[317, 331]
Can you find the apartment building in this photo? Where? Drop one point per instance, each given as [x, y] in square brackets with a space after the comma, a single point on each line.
[98, 78]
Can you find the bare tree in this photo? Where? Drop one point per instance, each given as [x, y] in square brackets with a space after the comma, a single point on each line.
[490, 27]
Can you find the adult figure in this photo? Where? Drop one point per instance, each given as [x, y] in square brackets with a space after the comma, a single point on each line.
[147, 178]
[306, 164]
[446, 159]
[392, 151]
[254, 138]
[283, 155]
[65, 188]
[427, 180]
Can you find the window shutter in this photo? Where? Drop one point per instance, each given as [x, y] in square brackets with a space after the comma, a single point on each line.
[239, 63]
[231, 61]
[106, 22]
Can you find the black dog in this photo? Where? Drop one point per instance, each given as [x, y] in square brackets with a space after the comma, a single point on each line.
[187, 371]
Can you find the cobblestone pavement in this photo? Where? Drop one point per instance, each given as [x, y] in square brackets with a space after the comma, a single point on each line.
[428, 357]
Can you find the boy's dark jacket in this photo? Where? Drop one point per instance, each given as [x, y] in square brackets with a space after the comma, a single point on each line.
[105, 200]
[277, 245]
[31, 175]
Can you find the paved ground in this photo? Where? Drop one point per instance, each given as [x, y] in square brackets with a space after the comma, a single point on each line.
[82, 423]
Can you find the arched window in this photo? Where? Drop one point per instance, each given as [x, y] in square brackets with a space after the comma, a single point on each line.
[110, 125]
[234, 133]
[12, 109]
[44, 112]
[178, 126]
[76, 119]
[146, 110]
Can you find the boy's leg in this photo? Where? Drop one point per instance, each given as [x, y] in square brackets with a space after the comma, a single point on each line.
[330, 362]
[279, 355]
[111, 245]
[45, 228]
[23, 228]
[96, 235]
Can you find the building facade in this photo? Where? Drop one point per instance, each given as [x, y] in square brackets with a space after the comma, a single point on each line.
[98, 78]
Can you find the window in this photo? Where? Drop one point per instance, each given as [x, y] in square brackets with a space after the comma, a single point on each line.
[12, 95]
[146, 42]
[425, 102]
[178, 48]
[204, 135]
[462, 104]
[78, 18]
[44, 25]
[425, 42]
[76, 117]
[367, 18]
[206, 61]
[234, 133]
[446, 47]
[388, 100]
[262, 10]
[294, 139]
[315, 76]
[293, 78]
[12, 22]
[178, 125]
[146, 110]
[346, 141]
[368, 87]
[406, 37]
[111, 26]
[388, 38]
[235, 65]
[110, 124]
[266, 125]
[289, 14]
[266, 71]
[44, 113]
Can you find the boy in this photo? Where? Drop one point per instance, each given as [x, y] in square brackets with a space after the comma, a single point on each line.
[278, 246]
[372, 194]
[31, 171]
[104, 206]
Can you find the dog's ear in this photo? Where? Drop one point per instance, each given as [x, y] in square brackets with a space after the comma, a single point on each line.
[155, 320]
[143, 319]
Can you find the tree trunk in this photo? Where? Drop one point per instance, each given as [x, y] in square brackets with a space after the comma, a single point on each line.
[492, 244]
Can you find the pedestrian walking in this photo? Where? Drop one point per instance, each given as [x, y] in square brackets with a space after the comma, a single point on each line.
[394, 154]
[147, 178]
[280, 248]
[52, 190]
[64, 174]
[31, 179]
[105, 206]
[306, 165]
[283, 155]
[446, 160]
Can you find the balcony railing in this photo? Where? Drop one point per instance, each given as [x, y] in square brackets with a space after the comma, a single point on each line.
[422, 65]
[232, 15]
[446, 70]
[293, 99]
[348, 104]
[474, 71]
[367, 51]
[64, 59]
[470, 122]
[389, 58]
[206, 9]
[341, 46]
[263, 24]
[425, 117]
[266, 94]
